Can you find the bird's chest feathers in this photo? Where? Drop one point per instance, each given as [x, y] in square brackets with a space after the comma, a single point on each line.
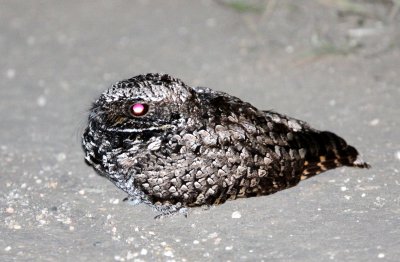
[178, 150]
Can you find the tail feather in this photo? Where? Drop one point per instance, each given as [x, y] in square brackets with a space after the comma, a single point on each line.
[327, 151]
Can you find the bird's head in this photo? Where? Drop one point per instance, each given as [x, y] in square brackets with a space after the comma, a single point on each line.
[151, 102]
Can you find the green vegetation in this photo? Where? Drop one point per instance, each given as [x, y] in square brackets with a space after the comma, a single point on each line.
[243, 6]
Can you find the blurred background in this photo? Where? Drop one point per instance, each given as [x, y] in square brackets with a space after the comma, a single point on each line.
[333, 63]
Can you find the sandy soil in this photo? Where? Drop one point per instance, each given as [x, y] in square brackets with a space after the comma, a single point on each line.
[332, 63]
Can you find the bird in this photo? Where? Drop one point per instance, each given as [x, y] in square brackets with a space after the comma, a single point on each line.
[174, 147]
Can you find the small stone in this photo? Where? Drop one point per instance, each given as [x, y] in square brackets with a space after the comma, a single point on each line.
[41, 101]
[168, 253]
[131, 255]
[374, 122]
[61, 157]
[11, 73]
[31, 40]
[213, 235]
[114, 201]
[381, 255]
[8, 248]
[289, 49]
[398, 155]
[52, 184]
[10, 210]
[211, 22]
[217, 241]
[236, 214]
[143, 252]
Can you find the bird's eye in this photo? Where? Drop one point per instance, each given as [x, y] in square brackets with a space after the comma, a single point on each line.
[139, 109]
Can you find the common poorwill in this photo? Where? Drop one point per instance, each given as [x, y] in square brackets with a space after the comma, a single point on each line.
[172, 146]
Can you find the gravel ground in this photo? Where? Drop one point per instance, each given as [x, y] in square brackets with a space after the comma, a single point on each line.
[332, 63]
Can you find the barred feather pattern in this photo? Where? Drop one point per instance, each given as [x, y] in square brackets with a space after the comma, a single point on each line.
[197, 146]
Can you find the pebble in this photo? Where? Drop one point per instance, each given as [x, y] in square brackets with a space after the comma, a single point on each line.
[211, 22]
[236, 214]
[41, 101]
[289, 49]
[114, 201]
[131, 255]
[398, 155]
[168, 253]
[217, 241]
[213, 235]
[374, 122]
[11, 73]
[61, 157]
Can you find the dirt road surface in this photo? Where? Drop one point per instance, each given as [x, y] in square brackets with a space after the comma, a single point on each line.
[334, 64]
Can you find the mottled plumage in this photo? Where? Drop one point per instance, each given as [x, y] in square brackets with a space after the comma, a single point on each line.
[172, 146]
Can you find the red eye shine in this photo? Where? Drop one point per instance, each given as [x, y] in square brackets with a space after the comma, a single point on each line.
[139, 109]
